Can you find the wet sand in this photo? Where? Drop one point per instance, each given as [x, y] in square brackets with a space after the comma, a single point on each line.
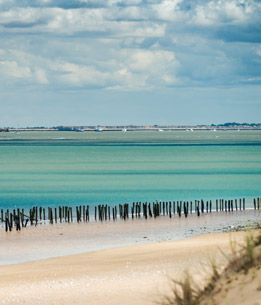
[126, 275]
[47, 241]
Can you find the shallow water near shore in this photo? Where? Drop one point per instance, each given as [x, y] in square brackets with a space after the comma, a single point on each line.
[68, 168]
[47, 241]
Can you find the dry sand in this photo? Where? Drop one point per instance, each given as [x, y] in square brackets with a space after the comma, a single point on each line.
[127, 275]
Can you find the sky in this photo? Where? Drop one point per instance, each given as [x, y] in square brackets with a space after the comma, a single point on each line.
[121, 62]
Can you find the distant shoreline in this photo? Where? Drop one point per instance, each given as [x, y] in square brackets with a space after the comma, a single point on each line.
[134, 129]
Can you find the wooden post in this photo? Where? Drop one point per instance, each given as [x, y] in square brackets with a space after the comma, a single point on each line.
[240, 203]
[236, 204]
[150, 210]
[83, 213]
[244, 204]
[88, 213]
[202, 206]
[179, 211]
[198, 211]
[51, 216]
[17, 223]
[164, 208]
[77, 214]
[6, 224]
[255, 203]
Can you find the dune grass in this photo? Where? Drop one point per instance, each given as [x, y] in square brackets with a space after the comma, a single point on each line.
[241, 259]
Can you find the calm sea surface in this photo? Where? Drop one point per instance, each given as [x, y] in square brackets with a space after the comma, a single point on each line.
[114, 167]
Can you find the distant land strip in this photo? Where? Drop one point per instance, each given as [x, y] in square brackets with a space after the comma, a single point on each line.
[125, 128]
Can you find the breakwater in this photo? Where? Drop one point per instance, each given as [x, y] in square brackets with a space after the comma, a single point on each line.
[19, 218]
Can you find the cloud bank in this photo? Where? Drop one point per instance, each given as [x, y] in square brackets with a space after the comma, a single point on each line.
[130, 44]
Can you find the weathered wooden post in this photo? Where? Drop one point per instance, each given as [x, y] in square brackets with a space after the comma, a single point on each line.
[83, 213]
[17, 223]
[51, 216]
[68, 214]
[55, 215]
[255, 203]
[6, 224]
[88, 213]
[163, 208]
[180, 210]
[198, 211]
[150, 214]
[244, 204]
[77, 214]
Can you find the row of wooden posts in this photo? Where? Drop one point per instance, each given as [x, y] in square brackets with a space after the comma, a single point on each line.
[18, 219]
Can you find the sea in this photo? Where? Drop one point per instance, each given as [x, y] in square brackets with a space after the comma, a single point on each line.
[68, 168]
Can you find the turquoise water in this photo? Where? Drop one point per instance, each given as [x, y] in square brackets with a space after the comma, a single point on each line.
[88, 168]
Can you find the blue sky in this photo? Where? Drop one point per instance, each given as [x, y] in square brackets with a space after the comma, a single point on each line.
[86, 62]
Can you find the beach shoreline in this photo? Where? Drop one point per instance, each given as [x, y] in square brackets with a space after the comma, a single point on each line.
[124, 275]
[62, 239]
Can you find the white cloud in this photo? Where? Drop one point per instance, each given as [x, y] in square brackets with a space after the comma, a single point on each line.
[126, 44]
[11, 68]
[41, 77]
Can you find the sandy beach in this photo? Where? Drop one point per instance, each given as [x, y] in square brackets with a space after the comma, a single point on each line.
[124, 275]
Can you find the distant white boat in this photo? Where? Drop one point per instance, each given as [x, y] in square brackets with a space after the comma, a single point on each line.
[124, 129]
[99, 129]
[191, 129]
[79, 130]
[161, 130]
